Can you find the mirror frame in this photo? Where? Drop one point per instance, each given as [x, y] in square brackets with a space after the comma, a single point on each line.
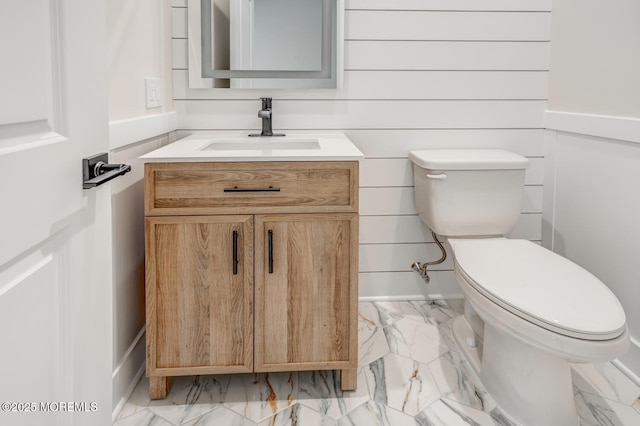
[201, 74]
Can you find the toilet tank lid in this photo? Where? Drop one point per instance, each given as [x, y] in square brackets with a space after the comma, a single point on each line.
[468, 159]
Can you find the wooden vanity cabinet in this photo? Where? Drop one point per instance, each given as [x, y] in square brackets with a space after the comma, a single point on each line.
[250, 267]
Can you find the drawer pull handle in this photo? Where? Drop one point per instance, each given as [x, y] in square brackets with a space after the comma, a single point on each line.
[270, 243]
[235, 252]
[236, 189]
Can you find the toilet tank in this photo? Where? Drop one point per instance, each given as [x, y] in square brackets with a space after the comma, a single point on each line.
[468, 193]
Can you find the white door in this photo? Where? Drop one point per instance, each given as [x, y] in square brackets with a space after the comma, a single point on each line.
[55, 243]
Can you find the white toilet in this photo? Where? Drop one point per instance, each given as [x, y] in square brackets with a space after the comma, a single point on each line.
[528, 311]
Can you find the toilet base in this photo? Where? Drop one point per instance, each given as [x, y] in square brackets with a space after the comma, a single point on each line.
[530, 385]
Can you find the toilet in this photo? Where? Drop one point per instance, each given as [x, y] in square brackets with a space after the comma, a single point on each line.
[528, 312]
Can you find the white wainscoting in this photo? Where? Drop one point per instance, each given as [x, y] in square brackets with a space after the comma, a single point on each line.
[591, 207]
[127, 195]
[419, 74]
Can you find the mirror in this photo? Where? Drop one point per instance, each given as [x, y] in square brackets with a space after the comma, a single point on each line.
[265, 44]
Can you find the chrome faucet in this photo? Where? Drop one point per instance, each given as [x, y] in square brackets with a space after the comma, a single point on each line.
[266, 114]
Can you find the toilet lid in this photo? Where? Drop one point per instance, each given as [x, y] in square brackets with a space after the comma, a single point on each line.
[542, 287]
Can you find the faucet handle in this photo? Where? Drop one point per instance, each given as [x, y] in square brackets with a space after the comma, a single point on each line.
[266, 103]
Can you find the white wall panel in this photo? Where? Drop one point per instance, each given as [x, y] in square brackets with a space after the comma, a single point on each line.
[386, 172]
[400, 257]
[138, 33]
[425, 56]
[529, 227]
[179, 22]
[400, 200]
[446, 25]
[485, 5]
[402, 84]
[387, 201]
[445, 55]
[357, 114]
[394, 229]
[180, 58]
[532, 199]
[396, 143]
[395, 84]
[595, 58]
[535, 172]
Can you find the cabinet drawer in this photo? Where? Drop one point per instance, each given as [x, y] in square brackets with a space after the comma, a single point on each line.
[251, 187]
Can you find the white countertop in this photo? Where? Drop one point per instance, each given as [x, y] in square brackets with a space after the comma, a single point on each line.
[220, 146]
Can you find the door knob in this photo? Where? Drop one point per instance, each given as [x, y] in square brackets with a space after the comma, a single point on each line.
[96, 170]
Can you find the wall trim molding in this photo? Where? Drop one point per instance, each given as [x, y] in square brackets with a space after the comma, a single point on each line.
[127, 373]
[604, 126]
[628, 362]
[133, 130]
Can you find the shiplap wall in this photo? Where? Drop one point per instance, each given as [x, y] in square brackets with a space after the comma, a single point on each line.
[418, 74]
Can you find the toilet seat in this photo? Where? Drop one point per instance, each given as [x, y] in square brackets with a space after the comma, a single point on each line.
[541, 287]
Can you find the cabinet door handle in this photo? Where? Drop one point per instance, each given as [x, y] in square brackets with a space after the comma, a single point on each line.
[235, 252]
[270, 244]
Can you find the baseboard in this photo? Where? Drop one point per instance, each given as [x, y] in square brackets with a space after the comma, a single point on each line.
[407, 285]
[133, 130]
[604, 126]
[629, 363]
[127, 373]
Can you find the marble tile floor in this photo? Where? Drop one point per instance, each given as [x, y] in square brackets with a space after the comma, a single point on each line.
[410, 373]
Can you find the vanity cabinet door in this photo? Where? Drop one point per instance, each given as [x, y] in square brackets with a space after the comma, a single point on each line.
[306, 291]
[199, 295]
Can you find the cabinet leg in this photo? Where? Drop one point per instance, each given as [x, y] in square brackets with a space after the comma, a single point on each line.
[159, 387]
[349, 379]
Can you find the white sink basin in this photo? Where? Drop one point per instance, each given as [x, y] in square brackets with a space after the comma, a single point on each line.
[251, 144]
[237, 146]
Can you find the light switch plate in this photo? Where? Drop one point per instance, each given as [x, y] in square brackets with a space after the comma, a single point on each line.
[153, 92]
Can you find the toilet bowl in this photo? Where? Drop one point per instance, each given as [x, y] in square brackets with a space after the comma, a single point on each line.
[529, 312]
[540, 312]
